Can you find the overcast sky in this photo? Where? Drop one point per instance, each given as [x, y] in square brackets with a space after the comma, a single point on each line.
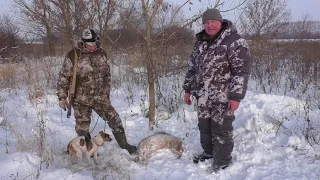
[297, 7]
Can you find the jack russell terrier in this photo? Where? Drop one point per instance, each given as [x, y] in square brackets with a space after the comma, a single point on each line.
[84, 144]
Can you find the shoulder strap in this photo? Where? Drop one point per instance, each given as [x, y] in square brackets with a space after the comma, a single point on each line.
[74, 76]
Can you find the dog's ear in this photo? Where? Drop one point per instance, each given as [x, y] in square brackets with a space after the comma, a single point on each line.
[101, 132]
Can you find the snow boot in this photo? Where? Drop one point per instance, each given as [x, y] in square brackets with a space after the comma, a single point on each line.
[214, 168]
[202, 157]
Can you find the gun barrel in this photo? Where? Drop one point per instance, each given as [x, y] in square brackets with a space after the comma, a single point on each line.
[69, 113]
[69, 110]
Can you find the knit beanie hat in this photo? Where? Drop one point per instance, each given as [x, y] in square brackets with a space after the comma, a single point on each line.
[211, 14]
[89, 36]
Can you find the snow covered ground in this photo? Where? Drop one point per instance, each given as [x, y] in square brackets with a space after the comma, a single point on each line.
[262, 149]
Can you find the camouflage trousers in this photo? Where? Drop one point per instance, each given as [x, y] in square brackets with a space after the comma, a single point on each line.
[216, 132]
[83, 113]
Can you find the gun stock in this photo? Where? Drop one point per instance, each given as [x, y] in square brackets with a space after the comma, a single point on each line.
[74, 78]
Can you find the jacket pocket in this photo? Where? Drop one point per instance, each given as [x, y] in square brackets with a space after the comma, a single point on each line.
[229, 116]
[220, 51]
[228, 120]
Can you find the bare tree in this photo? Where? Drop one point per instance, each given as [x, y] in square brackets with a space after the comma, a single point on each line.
[102, 12]
[65, 19]
[9, 39]
[264, 17]
[39, 13]
[156, 11]
[160, 29]
[304, 27]
[70, 17]
[149, 14]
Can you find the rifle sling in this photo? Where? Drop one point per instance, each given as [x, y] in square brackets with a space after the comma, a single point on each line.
[74, 77]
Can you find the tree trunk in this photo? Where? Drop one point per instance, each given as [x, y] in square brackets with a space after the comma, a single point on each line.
[150, 79]
[51, 46]
[151, 92]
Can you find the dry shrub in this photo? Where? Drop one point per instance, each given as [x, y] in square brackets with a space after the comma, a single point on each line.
[8, 76]
[42, 75]
[285, 67]
[290, 68]
[35, 75]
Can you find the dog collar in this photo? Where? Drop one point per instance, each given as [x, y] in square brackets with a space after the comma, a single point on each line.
[97, 143]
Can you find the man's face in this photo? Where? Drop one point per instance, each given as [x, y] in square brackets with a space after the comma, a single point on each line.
[212, 27]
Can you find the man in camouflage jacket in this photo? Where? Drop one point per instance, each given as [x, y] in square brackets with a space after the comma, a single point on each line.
[218, 72]
[92, 89]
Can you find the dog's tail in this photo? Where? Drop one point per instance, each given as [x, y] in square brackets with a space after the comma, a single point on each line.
[87, 139]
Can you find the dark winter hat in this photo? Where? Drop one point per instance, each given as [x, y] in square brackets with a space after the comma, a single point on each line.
[211, 14]
[88, 35]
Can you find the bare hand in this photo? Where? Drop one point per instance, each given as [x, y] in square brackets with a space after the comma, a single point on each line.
[63, 104]
[187, 98]
[233, 105]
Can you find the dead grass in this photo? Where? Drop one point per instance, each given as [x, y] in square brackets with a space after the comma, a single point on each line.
[8, 75]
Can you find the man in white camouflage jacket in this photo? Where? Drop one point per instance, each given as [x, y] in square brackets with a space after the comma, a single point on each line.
[92, 88]
[218, 72]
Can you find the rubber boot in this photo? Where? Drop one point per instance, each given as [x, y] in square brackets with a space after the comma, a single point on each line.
[120, 137]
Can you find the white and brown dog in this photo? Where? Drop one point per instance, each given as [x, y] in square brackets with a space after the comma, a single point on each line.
[84, 144]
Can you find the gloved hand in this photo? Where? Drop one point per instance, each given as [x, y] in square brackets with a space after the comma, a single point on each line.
[63, 104]
[187, 98]
[233, 105]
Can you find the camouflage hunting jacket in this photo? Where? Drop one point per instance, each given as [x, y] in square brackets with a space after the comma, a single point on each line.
[92, 80]
[218, 69]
